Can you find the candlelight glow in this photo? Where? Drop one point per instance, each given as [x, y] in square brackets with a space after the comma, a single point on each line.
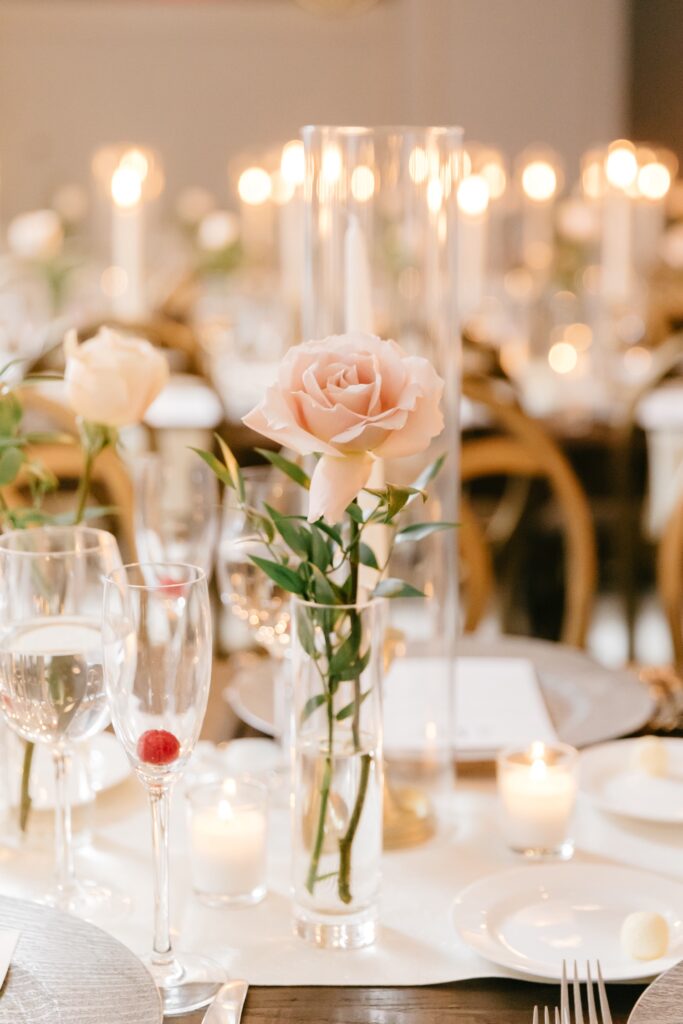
[254, 186]
[293, 163]
[332, 164]
[592, 180]
[473, 195]
[579, 335]
[136, 161]
[434, 195]
[654, 180]
[621, 165]
[418, 165]
[539, 181]
[494, 175]
[362, 183]
[563, 357]
[126, 186]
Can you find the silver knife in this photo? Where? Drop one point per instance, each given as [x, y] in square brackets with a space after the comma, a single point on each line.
[228, 1004]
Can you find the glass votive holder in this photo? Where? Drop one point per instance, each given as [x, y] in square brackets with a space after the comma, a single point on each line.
[228, 826]
[537, 790]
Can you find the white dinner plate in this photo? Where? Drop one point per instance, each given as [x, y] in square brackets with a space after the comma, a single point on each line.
[96, 766]
[532, 918]
[587, 703]
[612, 781]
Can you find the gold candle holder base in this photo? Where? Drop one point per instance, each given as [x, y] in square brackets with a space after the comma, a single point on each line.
[409, 818]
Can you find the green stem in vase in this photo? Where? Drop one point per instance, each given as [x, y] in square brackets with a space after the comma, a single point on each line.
[324, 801]
[346, 843]
[25, 800]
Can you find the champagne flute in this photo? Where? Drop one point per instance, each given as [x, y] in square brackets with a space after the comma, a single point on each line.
[253, 597]
[157, 656]
[52, 688]
[176, 510]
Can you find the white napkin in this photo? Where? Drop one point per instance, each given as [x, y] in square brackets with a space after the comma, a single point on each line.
[8, 941]
[498, 703]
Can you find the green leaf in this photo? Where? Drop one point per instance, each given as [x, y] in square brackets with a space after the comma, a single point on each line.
[91, 512]
[260, 523]
[216, 466]
[10, 414]
[367, 556]
[348, 710]
[345, 654]
[11, 461]
[392, 587]
[397, 498]
[311, 705]
[280, 574]
[429, 473]
[321, 549]
[356, 513]
[295, 537]
[290, 469]
[324, 590]
[232, 466]
[355, 669]
[417, 531]
[332, 532]
[305, 632]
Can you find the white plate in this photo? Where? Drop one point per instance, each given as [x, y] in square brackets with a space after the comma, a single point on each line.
[530, 919]
[97, 765]
[587, 703]
[611, 782]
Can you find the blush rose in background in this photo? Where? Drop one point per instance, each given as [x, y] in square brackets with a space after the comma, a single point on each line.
[351, 398]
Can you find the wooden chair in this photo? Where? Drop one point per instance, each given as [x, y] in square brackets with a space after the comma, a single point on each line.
[524, 450]
[110, 477]
[670, 579]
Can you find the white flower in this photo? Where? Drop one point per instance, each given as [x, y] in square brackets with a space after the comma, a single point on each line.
[112, 378]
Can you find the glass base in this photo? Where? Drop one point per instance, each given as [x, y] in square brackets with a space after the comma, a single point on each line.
[335, 931]
[90, 901]
[217, 899]
[563, 852]
[187, 982]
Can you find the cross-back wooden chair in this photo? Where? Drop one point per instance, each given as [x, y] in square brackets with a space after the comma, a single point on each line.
[110, 477]
[524, 450]
[670, 579]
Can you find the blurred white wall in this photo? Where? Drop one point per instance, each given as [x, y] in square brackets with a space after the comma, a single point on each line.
[202, 80]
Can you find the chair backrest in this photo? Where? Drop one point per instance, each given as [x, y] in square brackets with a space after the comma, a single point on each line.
[670, 579]
[525, 450]
[66, 461]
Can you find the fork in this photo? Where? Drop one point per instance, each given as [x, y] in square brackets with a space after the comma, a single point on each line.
[593, 1017]
[546, 1016]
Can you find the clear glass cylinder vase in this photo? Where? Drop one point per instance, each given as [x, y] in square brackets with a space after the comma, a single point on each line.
[337, 778]
[380, 208]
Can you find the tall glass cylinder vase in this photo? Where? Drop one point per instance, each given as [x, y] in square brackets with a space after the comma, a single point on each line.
[336, 730]
[381, 224]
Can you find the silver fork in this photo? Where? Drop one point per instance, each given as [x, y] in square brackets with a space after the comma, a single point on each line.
[546, 1016]
[593, 1017]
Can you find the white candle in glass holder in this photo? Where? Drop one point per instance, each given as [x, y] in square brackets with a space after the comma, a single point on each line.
[537, 790]
[473, 204]
[228, 826]
[621, 169]
[540, 186]
[255, 190]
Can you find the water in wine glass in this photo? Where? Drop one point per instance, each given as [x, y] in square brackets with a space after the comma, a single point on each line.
[53, 681]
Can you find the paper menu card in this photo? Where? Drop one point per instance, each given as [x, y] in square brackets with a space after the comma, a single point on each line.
[497, 703]
[8, 941]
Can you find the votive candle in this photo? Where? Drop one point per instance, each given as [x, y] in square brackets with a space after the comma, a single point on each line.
[537, 790]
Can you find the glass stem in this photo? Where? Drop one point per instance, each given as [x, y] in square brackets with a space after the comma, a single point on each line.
[64, 856]
[159, 804]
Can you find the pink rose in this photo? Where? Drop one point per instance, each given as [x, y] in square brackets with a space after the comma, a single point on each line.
[351, 398]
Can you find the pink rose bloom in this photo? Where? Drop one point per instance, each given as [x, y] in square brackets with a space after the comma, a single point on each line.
[350, 398]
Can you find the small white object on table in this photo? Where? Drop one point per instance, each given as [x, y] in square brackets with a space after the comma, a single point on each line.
[537, 789]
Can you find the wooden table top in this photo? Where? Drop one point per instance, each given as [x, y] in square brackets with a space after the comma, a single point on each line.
[471, 1002]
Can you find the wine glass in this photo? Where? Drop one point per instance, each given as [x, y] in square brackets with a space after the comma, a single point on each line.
[253, 597]
[176, 510]
[52, 688]
[157, 656]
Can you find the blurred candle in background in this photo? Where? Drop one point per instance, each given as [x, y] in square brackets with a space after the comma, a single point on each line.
[127, 239]
[473, 204]
[255, 189]
[656, 171]
[287, 193]
[620, 170]
[540, 181]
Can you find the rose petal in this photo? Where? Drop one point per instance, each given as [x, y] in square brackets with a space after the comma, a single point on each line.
[335, 483]
[273, 418]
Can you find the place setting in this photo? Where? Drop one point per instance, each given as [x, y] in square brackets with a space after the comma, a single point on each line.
[341, 546]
